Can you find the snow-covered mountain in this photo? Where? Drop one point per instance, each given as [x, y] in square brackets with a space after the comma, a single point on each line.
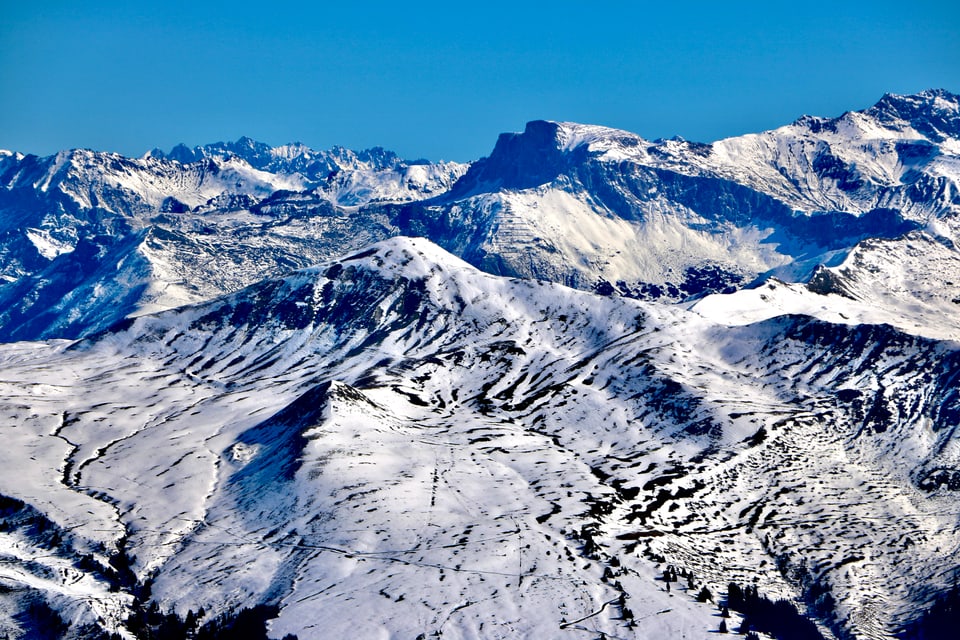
[910, 283]
[283, 412]
[899, 154]
[397, 444]
[87, 239]
[607, 210]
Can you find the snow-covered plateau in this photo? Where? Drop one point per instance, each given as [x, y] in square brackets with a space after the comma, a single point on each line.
[235, 392]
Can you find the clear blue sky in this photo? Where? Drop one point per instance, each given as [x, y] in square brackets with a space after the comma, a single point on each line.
[441, 80]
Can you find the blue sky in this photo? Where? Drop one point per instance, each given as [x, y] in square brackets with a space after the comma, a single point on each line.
[441, 80]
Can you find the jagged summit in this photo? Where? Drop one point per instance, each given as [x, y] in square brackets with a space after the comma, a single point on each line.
[930, 100]
[931, 113]
[290, 157]
[934, 113]
[176, 233]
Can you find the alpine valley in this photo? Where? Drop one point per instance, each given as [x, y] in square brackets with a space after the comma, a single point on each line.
[590, 386]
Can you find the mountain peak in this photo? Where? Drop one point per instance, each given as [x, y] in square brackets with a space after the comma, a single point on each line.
[181, 153]
[293, 157]
[940, 98]
[411, 257]
[518, 161]
[935, 113]
[543, 151]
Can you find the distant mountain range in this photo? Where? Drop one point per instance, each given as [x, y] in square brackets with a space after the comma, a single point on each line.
[90, 238]
[606, 380]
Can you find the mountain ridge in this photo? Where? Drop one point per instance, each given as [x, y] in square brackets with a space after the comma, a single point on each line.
[591, 207]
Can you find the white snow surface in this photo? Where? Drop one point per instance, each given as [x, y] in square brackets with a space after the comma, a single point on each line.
[911, 283]
[569, 241]
[47, 245]
[167, 233]
[784, 162]
[395, 444]
[611, 144]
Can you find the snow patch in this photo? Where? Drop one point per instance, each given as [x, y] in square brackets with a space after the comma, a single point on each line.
[48, 246]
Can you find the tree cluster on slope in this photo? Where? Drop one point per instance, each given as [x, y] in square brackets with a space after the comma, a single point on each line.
[760, 614]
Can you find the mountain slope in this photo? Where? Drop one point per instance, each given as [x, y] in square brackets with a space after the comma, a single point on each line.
[899, 154]
[395, 443]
